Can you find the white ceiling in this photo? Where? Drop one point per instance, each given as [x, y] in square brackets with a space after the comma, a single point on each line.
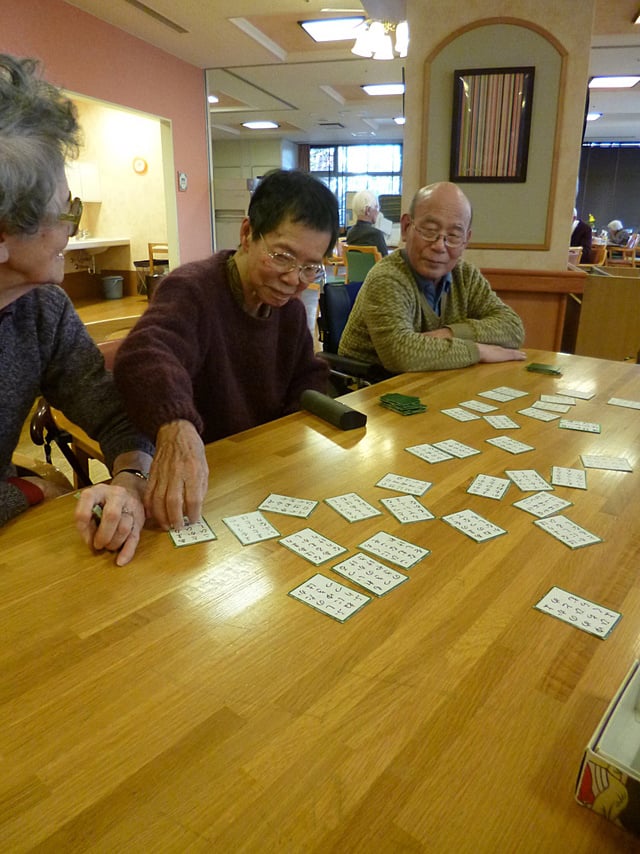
[262, 65]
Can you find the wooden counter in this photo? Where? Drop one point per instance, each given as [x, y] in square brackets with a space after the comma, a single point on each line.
[186, 703]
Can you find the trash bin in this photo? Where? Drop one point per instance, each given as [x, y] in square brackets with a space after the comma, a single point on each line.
[112, 287]
[144, 272]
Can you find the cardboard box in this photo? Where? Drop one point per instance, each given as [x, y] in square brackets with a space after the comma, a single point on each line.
[609, 778]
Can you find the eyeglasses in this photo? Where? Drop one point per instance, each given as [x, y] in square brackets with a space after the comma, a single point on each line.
[73, 215]
[431, 234]
[283, 262]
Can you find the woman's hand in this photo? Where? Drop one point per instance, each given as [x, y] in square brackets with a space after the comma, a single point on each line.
[111, 516]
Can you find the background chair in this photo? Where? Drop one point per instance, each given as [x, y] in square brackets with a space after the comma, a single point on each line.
[336, 302]
[625, 256]
[358, 261]
[158, 265]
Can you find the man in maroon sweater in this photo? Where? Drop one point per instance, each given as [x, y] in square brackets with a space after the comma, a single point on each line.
[224, 345]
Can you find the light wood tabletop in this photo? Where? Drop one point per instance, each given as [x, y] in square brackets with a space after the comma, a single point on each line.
[188, 703]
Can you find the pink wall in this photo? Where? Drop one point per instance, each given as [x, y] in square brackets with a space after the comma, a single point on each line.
[90, 57]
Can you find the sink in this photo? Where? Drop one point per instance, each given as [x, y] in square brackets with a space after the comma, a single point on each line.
[94, 245]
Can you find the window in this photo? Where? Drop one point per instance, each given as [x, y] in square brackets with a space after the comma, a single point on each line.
[346, 169]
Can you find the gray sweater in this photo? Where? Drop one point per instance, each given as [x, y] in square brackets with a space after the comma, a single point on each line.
[46, 350]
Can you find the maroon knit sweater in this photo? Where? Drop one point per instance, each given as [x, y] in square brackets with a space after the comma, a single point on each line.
[196, 355]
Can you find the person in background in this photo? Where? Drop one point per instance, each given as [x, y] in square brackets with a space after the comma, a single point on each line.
[423, 308]
[365, 208]
[617, 234]
[581, 235]
[44, 347]
[224, 345]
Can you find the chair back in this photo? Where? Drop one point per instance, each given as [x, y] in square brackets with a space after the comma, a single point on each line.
[359, 260]
[162, 263]
[336, 302]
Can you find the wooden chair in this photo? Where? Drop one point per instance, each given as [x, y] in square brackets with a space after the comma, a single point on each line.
[26, 466]
[625, 256]
[359, 260]
[161, 249]
[598, 255]
[49, 425]
[575, 254]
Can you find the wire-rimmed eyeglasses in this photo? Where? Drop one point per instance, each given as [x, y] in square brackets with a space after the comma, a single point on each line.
[283, 263]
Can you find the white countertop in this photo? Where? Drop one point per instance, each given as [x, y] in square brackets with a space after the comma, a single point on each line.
[88, 244]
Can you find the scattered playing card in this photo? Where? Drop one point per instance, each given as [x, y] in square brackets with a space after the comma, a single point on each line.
[352, 507]
[579, 612]
[406, 508]
[429, 453]
[573, 478]
[620, 401]
[251, 527]
[513, 446]
[394, 549]
[479, 406]
[583, 426]
[330, 597]
[300, 507]
[410, 485]
[542, 504]
[460, 414]
[370, 574]
[551, 407]
[196, 532]
[567, 532]
[581, 395]
[503, 393]
[501, 422]
[312, 546]
[558, 398]
[473, 525]
[489, 486]
[456, 449]
[539, 414]
[593, 461]
[528, 480]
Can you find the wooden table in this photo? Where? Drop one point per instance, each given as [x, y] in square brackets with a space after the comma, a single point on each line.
[187, 703]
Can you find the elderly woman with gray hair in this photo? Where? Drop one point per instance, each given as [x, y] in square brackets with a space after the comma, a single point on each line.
[44, 347]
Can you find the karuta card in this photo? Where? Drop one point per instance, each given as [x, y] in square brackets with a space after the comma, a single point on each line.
[407, 508]
[594, 461]
[542, 504]
[330, 597]
[528, 480]
[429, 453]
[620, 401]
[539, 414]
[352, 507]
[567, 532]
[460, 414]
[479, 406]
[251, 527]
[288, 506]
[489, 486]
[409, 485]
[581, 395]
[394, 549]
[582, 426]
[501, 422]
[551, 407]
[473, 525]
[312, 546]
[573, 478]
[513, 446]
[370, 574]
[503, 393]
[196, 532]
[456, 449]
[558, 398]
[579, 612]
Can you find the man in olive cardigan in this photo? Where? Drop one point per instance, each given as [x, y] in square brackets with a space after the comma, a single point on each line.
[423, 308]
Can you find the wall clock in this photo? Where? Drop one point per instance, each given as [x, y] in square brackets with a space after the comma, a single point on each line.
[139, 165]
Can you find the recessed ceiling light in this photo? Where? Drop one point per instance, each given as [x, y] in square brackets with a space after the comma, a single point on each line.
[332, 29]
[260, 125]
[592, 117]
[613, 82]
[212, 99]
[384, 88]
[399, 120]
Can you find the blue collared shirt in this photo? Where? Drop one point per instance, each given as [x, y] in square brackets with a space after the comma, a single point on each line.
[431, 290]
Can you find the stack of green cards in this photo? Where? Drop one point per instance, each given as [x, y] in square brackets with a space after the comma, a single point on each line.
[403, 403]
